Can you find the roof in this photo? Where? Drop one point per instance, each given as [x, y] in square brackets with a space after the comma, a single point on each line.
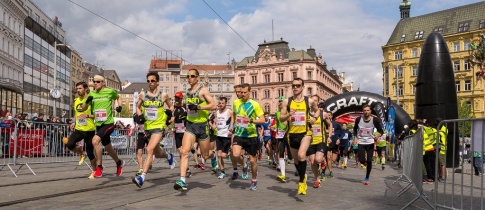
[135, 86]
[111, 74]
[164, 64]
[207, 67]
[279, 47]
[245, 61]
[448, 20]
[298, 54]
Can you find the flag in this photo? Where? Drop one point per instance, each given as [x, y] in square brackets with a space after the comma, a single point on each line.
[380, 112]
[390, 126]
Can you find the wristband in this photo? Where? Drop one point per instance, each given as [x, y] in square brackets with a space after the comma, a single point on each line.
[250, 120]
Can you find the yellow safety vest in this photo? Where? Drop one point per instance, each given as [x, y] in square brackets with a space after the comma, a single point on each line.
[443, 134]
[430, 138]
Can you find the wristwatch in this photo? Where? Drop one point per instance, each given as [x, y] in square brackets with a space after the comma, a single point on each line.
[250, 120]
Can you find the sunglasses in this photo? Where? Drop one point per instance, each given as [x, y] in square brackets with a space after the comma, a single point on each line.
[148, 81]
[296, 86]
[280, 101]
[192, 76]
[97, 81]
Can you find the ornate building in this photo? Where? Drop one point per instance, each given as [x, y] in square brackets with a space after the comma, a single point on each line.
[460, 26]
[12, 16]
[169, 72]
[76, 75]
[274, 66]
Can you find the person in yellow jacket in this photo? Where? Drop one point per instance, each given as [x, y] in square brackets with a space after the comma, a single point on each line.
[443, 132]
[429, 157]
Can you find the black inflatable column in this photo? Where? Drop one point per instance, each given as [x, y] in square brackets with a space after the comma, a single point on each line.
[435, 89]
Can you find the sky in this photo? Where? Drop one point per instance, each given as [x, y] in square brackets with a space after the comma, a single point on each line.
[125, 35]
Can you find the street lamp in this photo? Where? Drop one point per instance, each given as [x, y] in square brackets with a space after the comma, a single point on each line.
[55, 92]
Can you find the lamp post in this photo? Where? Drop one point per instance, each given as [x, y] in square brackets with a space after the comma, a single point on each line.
[55, 92]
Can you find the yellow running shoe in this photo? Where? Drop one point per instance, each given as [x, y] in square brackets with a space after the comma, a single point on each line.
[81, 159]
[91, 175]
[302, 188]
[281, 178]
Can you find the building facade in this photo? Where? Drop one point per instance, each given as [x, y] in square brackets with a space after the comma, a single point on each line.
[127, 94]
[76, 75]
[271, 70]
[12, 16]
[461, 27]
[169, 72]
[219, 79]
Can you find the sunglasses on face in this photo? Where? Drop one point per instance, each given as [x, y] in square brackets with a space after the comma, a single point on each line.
[97, 81]
[148, 81]
[280, 101]
[192, 76]
[296, 86]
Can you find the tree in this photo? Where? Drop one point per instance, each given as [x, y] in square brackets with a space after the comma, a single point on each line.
[464, 112]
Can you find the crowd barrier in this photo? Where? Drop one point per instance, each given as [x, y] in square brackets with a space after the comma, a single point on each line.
[25, 143]
[462, 189]
[412, 164]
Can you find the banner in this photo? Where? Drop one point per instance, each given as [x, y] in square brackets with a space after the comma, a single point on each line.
[379, 109]
[29, 142]
[390, 128]
[119, 142]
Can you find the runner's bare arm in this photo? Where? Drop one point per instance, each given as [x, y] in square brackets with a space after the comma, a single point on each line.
[206, 95]
[139, 102]
[284, 112]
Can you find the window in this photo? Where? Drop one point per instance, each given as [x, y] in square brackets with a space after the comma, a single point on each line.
[457, 85]
[280, 77]
[462, 27]
[415, 70]
[481, 24]
[414, 52]
[228, 87]
[266, 94]
[466, 45]
[254, 80]
[438, 29]
[456, 65]
[309, 75]
[399, 72]
[266, 78]
[398, 55]
[175, 78]
[468, 85]
[418, 35]
[309, 91]
[219, 87]
[37, 18]
[466, 65]
[403, 38]
[293, 75]
[280, 92]
[167, 77]
[254, 95]
[167, 89]
[210, 87]
[399, 90]
[267, 108]
[184, 87]
[161, 78]
[456, 46]
[241, 80]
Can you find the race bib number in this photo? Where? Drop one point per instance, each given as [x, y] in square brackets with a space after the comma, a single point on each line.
[365, 132]
[151, 113]
[192, 113]
[316, 130]
[221, 123]
[81, 121]
[298, 118]
[267, 132]
[346, 136]
[280, 134]
[241, 122]
[101, 115]
[179, 128]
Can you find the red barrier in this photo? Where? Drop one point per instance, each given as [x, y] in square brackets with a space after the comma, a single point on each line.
[29, 142]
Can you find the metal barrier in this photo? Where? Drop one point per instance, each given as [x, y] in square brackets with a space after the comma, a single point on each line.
[463, 190]
[412, 159]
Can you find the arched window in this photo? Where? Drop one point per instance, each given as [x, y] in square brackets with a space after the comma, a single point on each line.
[219, 87]
[267, 108]
[210, 87]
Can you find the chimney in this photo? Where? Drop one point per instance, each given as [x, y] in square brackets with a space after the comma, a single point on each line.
[311, 52]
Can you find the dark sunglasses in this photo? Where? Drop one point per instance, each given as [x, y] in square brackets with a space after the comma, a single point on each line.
[296, 86]
[280, 101]
[97, 81]
[148, 81]
[192, 76]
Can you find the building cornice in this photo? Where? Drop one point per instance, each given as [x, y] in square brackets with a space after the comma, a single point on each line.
[17, 10]
[11, 34]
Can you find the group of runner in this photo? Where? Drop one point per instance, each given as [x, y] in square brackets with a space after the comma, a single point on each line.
[301, 130]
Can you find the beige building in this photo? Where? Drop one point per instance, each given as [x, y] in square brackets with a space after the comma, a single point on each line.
[76, 74]
[127, 94]
[274, 66]
[461, 27]
[169, 72]
[219, 79]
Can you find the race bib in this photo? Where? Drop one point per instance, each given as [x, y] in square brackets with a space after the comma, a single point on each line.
[298, 118]
[221, 123]
[81, 121]
[280, 134]
[267, 132]
[101, 115]
[365, 132]
[151, 113]
[192, 113]
[316, 131]
[240, 122]
[179, 128]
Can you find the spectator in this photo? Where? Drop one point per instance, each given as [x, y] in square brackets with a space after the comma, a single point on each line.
[478, 163]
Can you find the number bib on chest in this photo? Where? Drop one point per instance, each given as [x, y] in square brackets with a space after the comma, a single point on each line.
[298, 119]
[192, 113]
[267, 132]
[240, 122]
[101, 115]
[179, 128]
[280, 134]
[81, 121]
[365, 132]
[316, 130]
[151, 113]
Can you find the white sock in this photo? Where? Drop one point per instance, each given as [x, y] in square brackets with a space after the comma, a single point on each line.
[345, 160]
[143, 175]
[182, 178]
[282, 166]
[153, 160]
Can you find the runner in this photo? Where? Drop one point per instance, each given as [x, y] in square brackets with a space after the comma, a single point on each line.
[180, 120]
[247, 113]
[363, 136]
[381, 150]
[333, 145]
[141, 141]
[265, 134]
[150, 105]
[300, 110]
[282, 138]
[345, 145]
[213, 138]
[84, 128]
[223, 123]
[101, 101]
[240, 159]
[199, 102]
[317, 146]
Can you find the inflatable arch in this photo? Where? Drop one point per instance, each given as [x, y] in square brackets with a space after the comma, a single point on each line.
[351, 102]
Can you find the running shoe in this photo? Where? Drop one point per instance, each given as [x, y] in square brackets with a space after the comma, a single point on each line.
[81, 159]
[138, 180]
[302, 188]
[221, 175]
[366, 181]
[363, 166]
[296, 173]
[119, 168]
[322, 177]
[244, 173]
[151, 166]
[317, 184]
[383, 167]
[234, 175]
[196, 166]
[254, 185]
[214, 161]
[202, 166]
[139, 172]
[345, 166]
[180, 185]
[91, 175]
[171, 163]
[281, 178]
[99, 172]
[188, 174]
[330, 175]
[260, 156]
